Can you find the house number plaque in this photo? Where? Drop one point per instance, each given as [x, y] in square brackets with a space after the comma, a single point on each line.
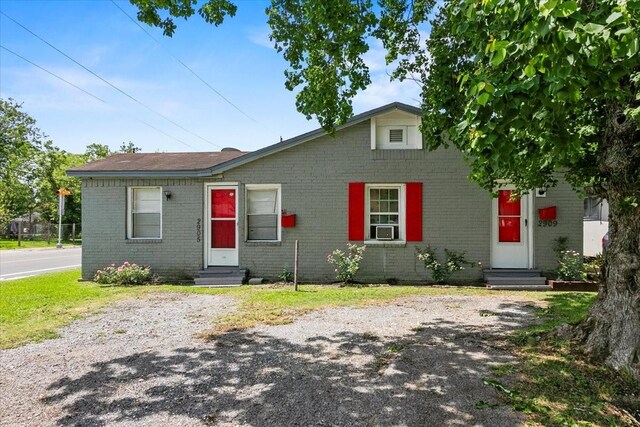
[547, 223]
[198, 230]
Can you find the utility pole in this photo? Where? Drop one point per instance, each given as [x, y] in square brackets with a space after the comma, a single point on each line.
[62, 193]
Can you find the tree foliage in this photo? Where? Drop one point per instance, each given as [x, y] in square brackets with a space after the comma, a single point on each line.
[20, 145]
[32, 168]
[212, 11]
[323, 42]
[537, 82]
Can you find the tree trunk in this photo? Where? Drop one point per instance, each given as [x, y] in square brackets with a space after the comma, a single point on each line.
[611, 331]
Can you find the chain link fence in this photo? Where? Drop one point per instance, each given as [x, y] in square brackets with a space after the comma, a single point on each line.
[42, 232]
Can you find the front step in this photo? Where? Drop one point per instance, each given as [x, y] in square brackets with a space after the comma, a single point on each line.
[519, 287]
[218, 281]
[510, 272]
[515, 279]
[221, 276]
[521, 281]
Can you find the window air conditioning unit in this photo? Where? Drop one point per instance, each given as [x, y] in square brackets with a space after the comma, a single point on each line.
[384, 232]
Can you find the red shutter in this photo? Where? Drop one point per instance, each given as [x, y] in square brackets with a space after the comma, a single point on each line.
[356, 211]
[414, 212]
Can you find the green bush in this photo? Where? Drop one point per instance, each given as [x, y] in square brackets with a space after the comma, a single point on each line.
[570, 265]
[347, 264]
[286, 276]
[442, 272]
[126, 274]
[593, 268]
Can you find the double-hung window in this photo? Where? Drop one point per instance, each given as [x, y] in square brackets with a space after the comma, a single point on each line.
[263, 212]
[385, 212]
[144, 213]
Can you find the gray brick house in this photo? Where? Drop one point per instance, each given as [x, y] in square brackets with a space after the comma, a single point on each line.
[372, 183]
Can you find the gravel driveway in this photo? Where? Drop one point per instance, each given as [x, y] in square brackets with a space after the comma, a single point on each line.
[414, 362]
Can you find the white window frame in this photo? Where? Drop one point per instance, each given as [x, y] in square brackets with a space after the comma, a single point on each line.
[278, 188]
[130, 211]
[402, 201]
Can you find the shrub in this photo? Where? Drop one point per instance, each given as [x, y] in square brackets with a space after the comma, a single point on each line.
[442, 272]
[126, 274]
[560, 244]
[570, 266]
[286, 276]
[593, 268]
[347, 264]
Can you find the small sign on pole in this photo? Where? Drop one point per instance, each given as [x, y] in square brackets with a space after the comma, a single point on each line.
[62, 193]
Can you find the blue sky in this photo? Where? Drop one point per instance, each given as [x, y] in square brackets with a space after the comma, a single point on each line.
[237, 59]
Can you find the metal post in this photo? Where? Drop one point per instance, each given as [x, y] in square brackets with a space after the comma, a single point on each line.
[73, 232]
[295, 267]
[19, 233]
[60, 207]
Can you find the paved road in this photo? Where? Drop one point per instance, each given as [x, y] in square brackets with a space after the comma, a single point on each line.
[19, 263]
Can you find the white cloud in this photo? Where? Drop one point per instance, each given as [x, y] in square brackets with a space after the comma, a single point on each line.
[382, 91]
[375, 56]
[260, 36]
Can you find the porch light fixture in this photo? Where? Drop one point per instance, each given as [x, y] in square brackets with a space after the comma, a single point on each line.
[167, 194]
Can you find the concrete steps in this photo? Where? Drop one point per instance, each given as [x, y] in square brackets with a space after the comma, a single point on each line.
[221, 277]
[519, 287]
[515, 279]
[511, 272]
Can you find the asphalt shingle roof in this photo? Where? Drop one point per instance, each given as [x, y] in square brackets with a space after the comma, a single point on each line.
[159, 161]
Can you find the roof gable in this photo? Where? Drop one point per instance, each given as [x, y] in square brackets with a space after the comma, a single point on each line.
[305, 137]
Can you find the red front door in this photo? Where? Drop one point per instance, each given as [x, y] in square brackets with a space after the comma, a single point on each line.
[510, 232]
[223, 226]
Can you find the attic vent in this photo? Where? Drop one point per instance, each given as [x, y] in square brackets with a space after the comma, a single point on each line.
[396, 135]
[229, 149]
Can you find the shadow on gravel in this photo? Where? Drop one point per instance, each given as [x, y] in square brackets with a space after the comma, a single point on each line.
[430, 376]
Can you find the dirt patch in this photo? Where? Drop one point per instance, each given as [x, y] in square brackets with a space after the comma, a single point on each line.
[417, 361]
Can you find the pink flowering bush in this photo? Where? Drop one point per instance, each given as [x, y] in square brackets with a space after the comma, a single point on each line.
[126, 274]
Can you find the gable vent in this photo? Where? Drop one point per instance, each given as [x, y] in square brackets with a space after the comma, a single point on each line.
[396, 135]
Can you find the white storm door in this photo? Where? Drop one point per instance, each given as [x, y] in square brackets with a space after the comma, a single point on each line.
[222, 241]
[510, 230]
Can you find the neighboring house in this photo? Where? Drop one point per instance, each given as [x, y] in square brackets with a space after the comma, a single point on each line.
[373, 183]
[596, 224]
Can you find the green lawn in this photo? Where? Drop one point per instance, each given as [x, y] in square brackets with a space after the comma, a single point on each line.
[34, 308]
[30, 244]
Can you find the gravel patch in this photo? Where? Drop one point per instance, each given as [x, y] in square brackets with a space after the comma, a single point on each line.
[414, 362]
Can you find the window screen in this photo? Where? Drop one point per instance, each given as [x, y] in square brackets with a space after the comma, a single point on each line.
[146, 212]
[262, 214]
